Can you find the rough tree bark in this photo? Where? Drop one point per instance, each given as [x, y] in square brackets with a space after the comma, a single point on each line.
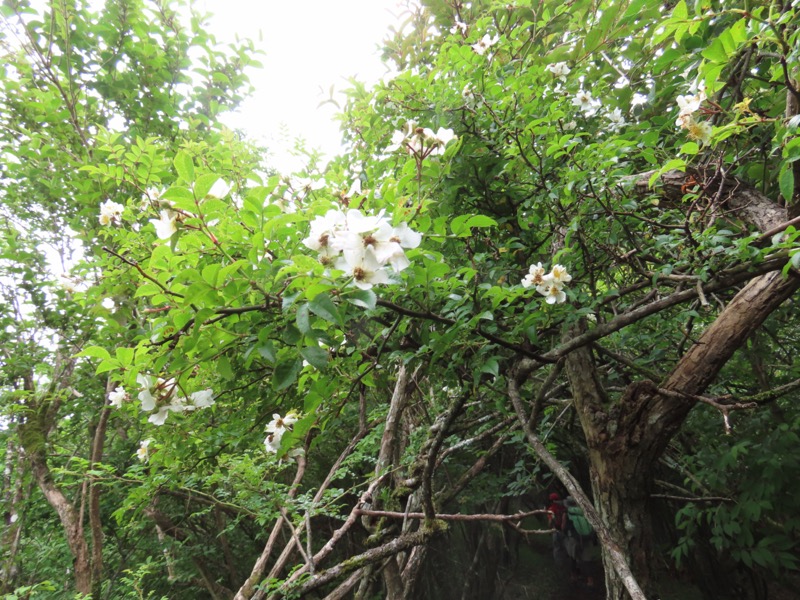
[626, 436]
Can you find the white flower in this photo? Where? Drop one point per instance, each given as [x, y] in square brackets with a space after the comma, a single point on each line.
[108, 304]
[282, 423]
[616, 118]
[405, 236]
[551, 286]
[440, 139]
[558, 275]
[584, 101]
[202, 399]
[276, 428]
[387, 247]
[398, 140]
[143, 453]
[699, 130]
[220, 189]
[559, 69]
[486, 42]
[357, 222]
[145, 396]
[365, 270]
[421, 141]
[117, 397]
[272, 442]
[68, 284]
[307, 185]
[110, 213]
[355, 188]
[552, 292]
[690, 104]
[155, 391]
[151, 196]
[535, 276]
[459, 27]
[324, 231]
[165, 224]
[159, 417]
[361, 245]
[468, 93]
[571, 126]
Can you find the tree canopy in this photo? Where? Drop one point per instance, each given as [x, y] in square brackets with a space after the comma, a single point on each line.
[557, 256]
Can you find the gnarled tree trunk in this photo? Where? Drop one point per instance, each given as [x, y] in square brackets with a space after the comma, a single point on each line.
[626, 436]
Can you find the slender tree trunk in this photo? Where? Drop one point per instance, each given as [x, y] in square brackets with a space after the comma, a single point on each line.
[33, 434]
[95, 521]
[12, 496]
[70, 521]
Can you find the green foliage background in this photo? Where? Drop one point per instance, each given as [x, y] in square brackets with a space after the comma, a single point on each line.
[234, 301]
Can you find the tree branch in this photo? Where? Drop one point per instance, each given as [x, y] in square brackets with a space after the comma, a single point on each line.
[455, 517]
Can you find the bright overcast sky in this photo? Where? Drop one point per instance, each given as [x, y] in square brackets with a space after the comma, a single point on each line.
[309, 45]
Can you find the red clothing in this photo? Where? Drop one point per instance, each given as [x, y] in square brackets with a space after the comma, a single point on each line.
[558, 514]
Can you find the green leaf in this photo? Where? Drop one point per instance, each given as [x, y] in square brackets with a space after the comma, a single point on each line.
[285, 374]
[592, 40]
[317, 357]
[462, 224]
[182, 317]
[786, 182]
[94, 352]
[324, 307]
[107, 365]
[716, 52]
[491, 366]
[203, 184]
[680, 12]
[184, 166]
[288, 299]
[180, 197]
[302, 319]
[224, 368]
[267, 352]
[124, 356]
[362, 298]
[291, 335]
[480, 221]
[457, 225]
[178, 192]
[210, 273]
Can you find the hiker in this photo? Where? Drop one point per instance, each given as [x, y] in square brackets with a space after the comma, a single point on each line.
[557, 512]
[579, 535]
[556, 517]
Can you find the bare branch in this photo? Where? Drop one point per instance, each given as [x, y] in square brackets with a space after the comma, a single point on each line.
[391, 548]
[455, 517]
